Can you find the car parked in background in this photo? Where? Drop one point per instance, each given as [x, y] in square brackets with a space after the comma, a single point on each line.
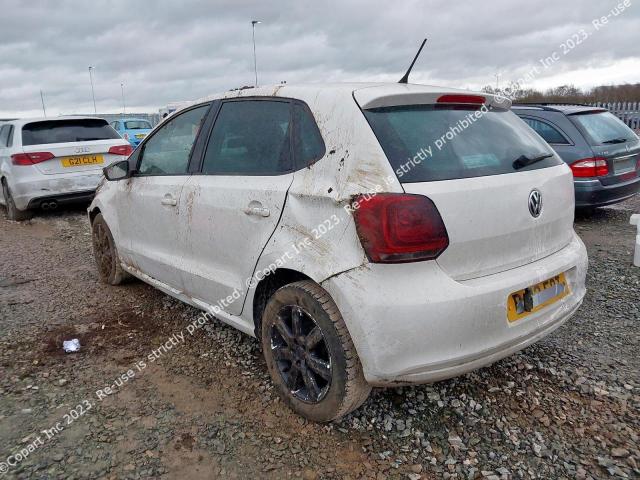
[349, 229]
[602, 152]
[46, 162]
[133, 130]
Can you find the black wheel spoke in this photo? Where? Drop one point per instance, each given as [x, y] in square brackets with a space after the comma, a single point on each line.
[296, 321]
[284, 330]
[292, 378]
[311, 384]
[314, 338]
[319, 366]
[283, 353]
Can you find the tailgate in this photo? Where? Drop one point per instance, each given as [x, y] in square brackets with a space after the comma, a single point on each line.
[489, 224]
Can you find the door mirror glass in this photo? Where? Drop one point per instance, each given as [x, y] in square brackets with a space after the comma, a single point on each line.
[117, 171]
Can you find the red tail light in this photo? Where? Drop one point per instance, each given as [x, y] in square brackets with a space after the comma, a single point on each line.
[455, 98]
[590, 167]
[31, 158]
[398, 228]
[121, 150]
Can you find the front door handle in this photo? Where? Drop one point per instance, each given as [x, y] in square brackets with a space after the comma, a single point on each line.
[169, 200]
[257, 211]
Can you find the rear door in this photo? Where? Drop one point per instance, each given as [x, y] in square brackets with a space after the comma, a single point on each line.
[229, 210]
[149, 202]
[77, 145]
[465, 159]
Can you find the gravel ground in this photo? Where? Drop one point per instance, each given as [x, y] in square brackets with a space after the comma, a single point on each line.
[567, 407]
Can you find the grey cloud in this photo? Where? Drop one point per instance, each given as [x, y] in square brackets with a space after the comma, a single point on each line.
[166, 51]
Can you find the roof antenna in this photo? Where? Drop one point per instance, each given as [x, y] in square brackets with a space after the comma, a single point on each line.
[405, 79]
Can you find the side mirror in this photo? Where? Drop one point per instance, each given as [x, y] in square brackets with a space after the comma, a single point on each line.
[117, 171]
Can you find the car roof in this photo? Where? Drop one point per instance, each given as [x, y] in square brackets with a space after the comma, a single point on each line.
[566, 108]
[367, 93]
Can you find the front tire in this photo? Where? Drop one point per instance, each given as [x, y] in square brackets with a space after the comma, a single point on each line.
[13, 212]
[310, 355]
[105, 253]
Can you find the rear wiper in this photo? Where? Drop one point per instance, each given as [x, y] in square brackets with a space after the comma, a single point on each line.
[616, 140]
[524, 161]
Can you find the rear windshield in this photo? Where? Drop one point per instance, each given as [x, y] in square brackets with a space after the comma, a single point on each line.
[137, 125]
[429, 142]
[65, 131]
[603, 128]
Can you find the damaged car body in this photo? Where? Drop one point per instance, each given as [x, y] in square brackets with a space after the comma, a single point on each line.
[366, 234]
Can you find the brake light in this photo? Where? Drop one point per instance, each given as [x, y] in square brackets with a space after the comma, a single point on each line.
[121, 150]
[590, 167]
[398, 228]
[31, 158]
[455, 98]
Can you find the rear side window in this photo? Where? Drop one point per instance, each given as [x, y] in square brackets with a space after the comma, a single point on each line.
[546, 131]
[309, 145]
[4, 135]
[250, 137]
[603, 128]
[137, 125]
[428, 142]
[66, 131]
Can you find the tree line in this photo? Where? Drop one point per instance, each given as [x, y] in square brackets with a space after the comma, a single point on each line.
[570, 93]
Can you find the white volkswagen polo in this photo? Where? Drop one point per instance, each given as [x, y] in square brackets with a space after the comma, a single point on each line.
[46, 162]
[367, 234]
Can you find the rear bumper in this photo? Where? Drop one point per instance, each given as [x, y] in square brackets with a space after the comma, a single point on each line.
[29, 191]
[591, 193]
[412, 323]
[63, 199]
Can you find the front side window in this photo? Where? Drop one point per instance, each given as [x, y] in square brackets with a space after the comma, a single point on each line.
[603, 128]
[168, 151]
[546, 131]
[250, 137]
[67, 131]
[431, 142]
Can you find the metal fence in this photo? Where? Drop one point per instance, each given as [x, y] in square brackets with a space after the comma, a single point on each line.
[628, 112]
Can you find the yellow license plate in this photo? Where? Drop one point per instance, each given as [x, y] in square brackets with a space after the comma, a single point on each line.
[81, 160]
[529, 300]
[141, 135]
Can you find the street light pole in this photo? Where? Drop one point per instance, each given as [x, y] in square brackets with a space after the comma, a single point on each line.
[255, 67]
[124, 105]
[43, 109]
[93, 95]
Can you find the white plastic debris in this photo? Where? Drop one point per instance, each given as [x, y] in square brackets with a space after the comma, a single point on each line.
[71, 345]
[635, 220]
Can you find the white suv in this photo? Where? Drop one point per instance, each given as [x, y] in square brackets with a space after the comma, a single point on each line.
[45, 162]
[367, 234]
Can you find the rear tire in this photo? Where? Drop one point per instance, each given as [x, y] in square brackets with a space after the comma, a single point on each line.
[13, 212]
[310, 355]
[105, 253]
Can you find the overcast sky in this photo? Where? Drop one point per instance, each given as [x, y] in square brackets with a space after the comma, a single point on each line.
[166, 51]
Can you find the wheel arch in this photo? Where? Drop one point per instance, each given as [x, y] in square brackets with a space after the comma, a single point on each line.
[267, 287]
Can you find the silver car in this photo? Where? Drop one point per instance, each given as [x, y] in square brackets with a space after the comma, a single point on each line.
[46, 162]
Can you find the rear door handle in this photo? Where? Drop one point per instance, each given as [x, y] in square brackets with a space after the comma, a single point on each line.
[169, 200]
[257, 211]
